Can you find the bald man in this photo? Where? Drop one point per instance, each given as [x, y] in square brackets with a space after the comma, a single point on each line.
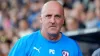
[48, 41]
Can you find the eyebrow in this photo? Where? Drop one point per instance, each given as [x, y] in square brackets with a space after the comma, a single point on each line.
[58, 15]
[48, 15]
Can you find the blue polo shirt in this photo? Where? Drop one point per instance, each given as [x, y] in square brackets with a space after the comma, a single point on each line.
[36, 45]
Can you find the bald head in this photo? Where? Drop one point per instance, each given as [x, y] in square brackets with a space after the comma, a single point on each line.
[52, 19]
[52, 6]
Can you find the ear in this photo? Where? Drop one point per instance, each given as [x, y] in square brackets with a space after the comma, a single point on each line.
[63, 21]
[40, 19]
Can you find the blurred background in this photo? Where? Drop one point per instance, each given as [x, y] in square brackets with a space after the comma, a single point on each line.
[21, 17]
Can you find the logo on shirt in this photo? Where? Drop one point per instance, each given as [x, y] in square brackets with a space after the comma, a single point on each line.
[65, 53]
[51, 51]
[37, 49]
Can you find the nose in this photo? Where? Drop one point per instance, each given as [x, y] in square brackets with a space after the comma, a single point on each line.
[52, 20]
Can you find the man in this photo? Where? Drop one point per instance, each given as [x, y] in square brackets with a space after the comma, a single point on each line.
[72, 24]
[49, 41]
[96, 52]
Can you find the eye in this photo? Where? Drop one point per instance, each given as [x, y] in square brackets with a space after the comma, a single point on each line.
[48, 16]
[57, 16]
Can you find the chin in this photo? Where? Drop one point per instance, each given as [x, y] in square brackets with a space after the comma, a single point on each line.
[53, 32]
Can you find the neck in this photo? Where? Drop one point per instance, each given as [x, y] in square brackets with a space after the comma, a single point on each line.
[52, 37]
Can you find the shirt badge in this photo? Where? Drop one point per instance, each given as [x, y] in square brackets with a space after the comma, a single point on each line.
[65, 53]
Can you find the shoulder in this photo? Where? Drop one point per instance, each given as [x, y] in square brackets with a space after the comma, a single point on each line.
[72, 44]
[68, 39]
[28, 39]
[22, 46]
[96, 52]
[30, 36]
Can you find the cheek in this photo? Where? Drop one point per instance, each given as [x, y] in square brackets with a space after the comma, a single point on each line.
[61, 22]
[45, 24]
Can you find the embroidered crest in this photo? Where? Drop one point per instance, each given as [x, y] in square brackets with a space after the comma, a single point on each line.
[65, 53]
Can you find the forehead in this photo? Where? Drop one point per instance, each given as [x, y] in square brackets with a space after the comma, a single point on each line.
[53, 11]
[52, 8]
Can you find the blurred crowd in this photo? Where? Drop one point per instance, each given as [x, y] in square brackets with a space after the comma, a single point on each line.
[21, 17]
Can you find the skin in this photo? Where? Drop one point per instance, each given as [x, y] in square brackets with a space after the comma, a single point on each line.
[72, 24]
[52, 19]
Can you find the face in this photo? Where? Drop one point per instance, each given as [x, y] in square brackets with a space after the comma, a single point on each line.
[71, 24]
[97, 11]
[90, 15]
[23, 24]
[52, 20]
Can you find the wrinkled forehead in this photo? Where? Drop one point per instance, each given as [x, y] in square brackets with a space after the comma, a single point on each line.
[52, 7]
